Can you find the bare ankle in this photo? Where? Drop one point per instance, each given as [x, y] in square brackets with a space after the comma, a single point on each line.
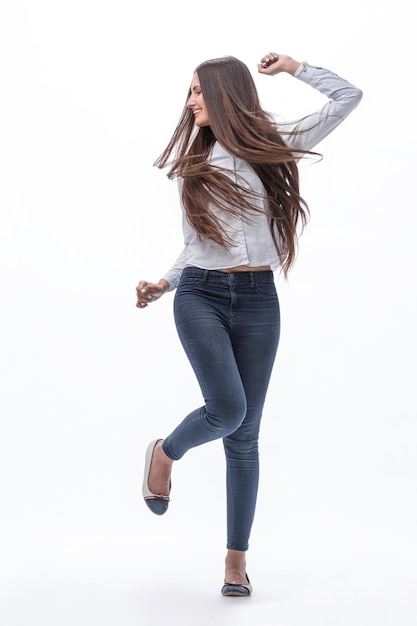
[236, 558]
[162, 457]
[160, 471]
[235, 565]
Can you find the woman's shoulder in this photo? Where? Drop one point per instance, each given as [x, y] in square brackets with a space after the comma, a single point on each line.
[218, 150]
[219, 156]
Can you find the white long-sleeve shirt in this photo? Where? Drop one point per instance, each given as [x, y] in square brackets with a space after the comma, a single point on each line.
[253, 243]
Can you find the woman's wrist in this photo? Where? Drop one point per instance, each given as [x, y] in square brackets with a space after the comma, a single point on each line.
[164, 284]
[291, 66]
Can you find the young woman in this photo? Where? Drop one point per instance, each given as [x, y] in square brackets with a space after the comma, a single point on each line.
[242, 211]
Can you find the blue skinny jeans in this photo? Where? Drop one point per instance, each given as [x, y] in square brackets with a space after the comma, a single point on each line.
[229, 325]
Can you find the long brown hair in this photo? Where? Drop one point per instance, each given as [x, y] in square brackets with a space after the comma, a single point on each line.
[240, 125]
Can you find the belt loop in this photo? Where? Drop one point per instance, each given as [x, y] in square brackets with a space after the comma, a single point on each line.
[252, 279]
[205, 276]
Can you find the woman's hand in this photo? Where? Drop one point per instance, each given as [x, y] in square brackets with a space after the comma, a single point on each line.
[273, 63]
[150, 292]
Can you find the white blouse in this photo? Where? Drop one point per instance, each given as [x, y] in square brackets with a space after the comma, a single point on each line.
[253, 243]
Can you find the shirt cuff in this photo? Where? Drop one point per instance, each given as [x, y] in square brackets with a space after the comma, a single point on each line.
[301, 68]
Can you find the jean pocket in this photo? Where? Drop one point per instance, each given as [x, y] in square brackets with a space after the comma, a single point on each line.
[190, 281]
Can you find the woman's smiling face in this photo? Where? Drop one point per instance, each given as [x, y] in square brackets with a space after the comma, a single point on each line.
[196, 103]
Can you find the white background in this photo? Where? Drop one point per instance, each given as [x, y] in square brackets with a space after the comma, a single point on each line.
[89, 95]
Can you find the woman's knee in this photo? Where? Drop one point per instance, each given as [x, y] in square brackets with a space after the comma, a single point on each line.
[226, 415]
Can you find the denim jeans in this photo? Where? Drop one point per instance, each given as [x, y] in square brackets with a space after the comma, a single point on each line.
[229, 325]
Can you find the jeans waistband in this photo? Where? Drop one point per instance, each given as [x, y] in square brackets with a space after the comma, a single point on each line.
[242, 277]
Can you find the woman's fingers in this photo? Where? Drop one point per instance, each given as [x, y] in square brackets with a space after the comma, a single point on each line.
[269, 58]
[144, 294]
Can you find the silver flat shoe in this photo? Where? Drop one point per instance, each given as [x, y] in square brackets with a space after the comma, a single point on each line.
[237, 589]
[158, 504]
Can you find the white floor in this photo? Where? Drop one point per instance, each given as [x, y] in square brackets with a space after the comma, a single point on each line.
[318, 569]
